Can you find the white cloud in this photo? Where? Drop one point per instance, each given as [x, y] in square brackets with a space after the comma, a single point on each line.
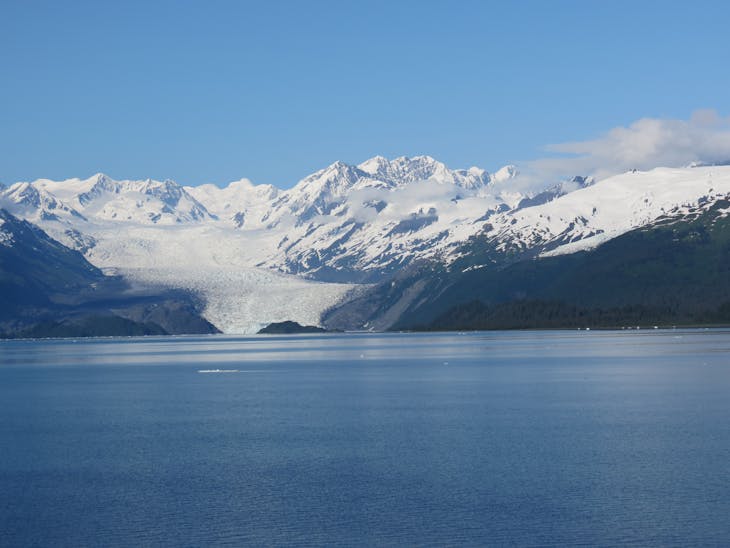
[645, 144]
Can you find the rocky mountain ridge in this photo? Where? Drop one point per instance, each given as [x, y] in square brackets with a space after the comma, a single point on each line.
[347, 224]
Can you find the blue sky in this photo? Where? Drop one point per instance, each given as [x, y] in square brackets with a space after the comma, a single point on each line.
[215, 91]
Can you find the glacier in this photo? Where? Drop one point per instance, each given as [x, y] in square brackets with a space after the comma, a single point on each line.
[254, 254]
[244, 300]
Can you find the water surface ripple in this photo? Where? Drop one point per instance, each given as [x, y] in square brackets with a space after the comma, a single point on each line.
[512, 438]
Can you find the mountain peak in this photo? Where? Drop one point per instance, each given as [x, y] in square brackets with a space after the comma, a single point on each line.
[582, 181]
[99, 180]
[166, 184]
[99, 184]
[403, 169]
[24, 193]
[335, 180]
[337, 167]
[374, 165]
[422, 158]
[505, 173]
[242, 183]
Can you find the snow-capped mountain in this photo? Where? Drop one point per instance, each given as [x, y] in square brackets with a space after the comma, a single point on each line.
[241, 203]
[344, 223]
[47, 289]
[34, 203]
[405, 170]
[340, 221]
[7, 237]
[594, 213]
[163, 202]
[100, 198]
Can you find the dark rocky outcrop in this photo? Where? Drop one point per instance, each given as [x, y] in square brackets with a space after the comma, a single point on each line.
[289, 327]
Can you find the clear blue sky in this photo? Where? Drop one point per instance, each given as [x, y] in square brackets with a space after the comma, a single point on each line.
[215, 91]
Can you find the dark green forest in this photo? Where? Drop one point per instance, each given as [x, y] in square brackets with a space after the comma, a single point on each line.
[673, 272]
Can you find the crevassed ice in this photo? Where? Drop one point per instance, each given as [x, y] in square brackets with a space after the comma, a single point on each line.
[243, 300]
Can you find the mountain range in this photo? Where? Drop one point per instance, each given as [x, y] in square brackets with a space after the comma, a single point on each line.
[47, 289]
[381, 245]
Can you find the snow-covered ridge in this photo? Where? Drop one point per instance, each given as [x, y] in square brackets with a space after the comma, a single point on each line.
[365, 217]
[223, 243]
[587, 217]
[6, 238]
[343, 223]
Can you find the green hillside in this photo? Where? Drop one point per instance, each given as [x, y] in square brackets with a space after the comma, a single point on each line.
[676, 271]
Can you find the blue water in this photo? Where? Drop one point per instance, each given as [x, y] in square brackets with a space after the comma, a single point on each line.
[523, 438]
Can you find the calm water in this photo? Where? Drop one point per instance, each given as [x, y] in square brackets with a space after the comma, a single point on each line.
[529, 438]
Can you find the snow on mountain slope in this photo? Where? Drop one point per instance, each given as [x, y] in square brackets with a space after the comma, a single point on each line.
[241, 202]
[592, 215]
[6, 236]
[34, 203]
[376, 229]
[341, 219]
[404, 170]
[342, 223]
[346, 222]
[104, 199]
[217, 263]
[243, 300]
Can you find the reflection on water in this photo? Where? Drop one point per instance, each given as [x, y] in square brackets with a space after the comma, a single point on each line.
[560, 437]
